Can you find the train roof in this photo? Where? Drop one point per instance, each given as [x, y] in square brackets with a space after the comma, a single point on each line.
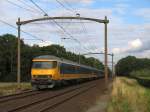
[51, 57]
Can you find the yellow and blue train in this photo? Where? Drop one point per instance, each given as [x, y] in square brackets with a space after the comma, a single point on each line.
[49, 71]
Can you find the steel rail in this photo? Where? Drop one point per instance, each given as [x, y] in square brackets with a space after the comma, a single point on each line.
[53, 106]
[5, 96]
[19, 96]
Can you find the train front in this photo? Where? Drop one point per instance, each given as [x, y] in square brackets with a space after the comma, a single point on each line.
[43, 73]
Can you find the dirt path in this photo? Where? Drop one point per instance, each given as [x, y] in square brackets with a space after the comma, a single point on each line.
[102, 101]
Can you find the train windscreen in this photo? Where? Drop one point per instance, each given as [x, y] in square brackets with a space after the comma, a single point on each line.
[44, 64]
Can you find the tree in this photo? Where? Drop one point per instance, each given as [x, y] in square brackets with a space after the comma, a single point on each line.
[130, 63]
[8, 57]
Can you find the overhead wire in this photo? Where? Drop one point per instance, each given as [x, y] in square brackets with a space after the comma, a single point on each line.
[25, 3]
[82, 24]
[21, 30]
[33, 11]
[84, 29]
[20, 6]
[36, 5]
[86, 32]
[45, 14]
[70, 35]
[63, 29]
[64, 6]
[72, 10]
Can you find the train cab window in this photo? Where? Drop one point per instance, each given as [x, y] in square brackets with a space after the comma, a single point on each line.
[44, 64]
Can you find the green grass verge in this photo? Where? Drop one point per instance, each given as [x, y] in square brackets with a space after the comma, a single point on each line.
[12, 88]
[128, 96]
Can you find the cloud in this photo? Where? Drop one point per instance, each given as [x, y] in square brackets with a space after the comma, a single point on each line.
[145, 54]
[136, 44]
[116, 50]
[121, 8]
[145, 46]
[79, 1]
[87, 2]
[143, 13]
[47, 43]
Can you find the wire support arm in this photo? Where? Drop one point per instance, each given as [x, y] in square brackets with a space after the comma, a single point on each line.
[55, 18]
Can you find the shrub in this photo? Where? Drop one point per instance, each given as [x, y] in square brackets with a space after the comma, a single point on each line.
[143, 73]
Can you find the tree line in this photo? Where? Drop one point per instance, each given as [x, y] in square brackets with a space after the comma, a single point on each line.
[128, 65]
[8, 57]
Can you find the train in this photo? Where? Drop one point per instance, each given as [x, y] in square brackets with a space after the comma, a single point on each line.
[49, 71]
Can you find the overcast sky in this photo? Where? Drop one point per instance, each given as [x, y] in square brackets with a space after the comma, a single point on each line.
[128, 30]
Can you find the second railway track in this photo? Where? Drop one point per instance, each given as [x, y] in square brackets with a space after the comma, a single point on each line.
[18, 96]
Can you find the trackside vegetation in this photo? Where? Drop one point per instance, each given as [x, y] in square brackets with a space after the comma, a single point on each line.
[129, 96]
[138, 68]
[130, 63]
[142, 74]
[131, 93]
[12, 88]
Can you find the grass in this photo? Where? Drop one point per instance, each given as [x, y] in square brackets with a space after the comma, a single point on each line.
[11, 88]
[128, 96]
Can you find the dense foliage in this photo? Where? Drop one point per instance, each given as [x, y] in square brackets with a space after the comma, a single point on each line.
[143, 73]
[8, 57]
[130, 63]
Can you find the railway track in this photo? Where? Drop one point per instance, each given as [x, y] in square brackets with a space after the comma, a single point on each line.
[48, 101]
[18, 96]
[5, 96]
[53, 106]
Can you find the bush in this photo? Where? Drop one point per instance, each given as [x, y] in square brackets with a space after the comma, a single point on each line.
[143, 73]
[130, 63]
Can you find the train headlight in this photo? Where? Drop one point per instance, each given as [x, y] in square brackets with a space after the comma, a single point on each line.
[49, 76]
[34, 76]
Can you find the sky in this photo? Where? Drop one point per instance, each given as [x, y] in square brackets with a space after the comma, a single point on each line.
[128, 28]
